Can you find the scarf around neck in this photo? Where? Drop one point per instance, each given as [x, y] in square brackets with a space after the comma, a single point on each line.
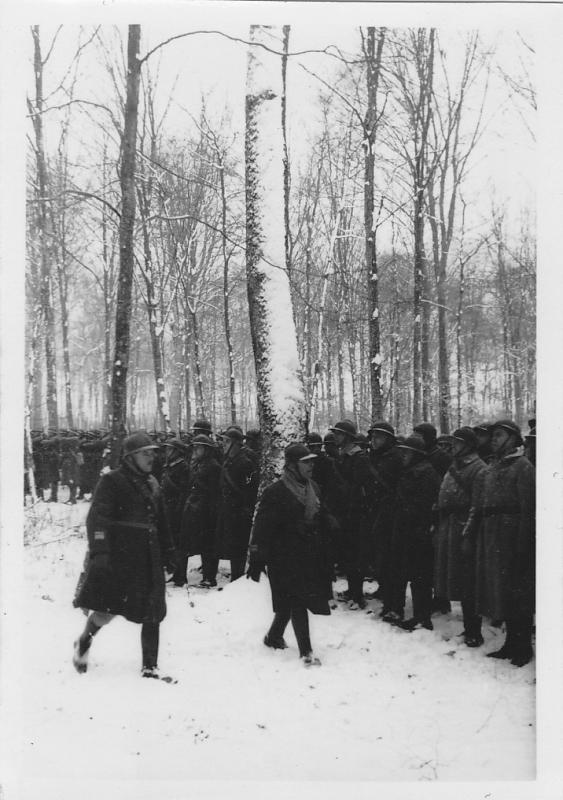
[304, 492]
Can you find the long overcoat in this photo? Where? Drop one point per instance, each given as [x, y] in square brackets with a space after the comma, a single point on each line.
[296, 552]
[386, 467]
[237, 495]
[506, 541]
[175, 485]
[126, 521]
[458, 502]
[199, 516]
[355, 513]
[417, 491]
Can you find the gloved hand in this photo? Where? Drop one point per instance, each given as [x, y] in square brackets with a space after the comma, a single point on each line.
[255, 567]
[100, 560]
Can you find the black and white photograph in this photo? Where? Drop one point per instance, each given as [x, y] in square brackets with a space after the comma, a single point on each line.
[281, 325]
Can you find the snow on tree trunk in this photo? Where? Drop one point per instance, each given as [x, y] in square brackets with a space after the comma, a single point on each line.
[45, 233]
[281, 396]
[226, 288]
[126, 245]
[373, 64]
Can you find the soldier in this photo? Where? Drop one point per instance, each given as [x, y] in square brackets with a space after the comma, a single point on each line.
[51, 459]
[506, 544]
[253, 446]
[290, 537]
[175, 484]
[128, 546]
[325, 474]
[70, 464]
[483, 431]
[412, 553]
[530, 446]
[386, 466]
[238, 488]
[454, 559]
[330, 446]
[356, 509]
[437, 456]
[199, 516]
[445, 443]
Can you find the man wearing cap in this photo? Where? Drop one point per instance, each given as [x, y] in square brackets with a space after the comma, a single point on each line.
[325, 474]
[411, 546]
[386, 466]
[128, 547]
[355, 513]
[455, 543]
[238, 487]
[506, 544]
[199, 516]
[175, 484]
[290, 538]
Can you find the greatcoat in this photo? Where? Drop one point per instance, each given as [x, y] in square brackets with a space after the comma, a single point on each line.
[126, 521]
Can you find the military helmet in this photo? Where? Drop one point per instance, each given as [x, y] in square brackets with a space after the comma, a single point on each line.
[298, 452]
[233, 432]
[202, 425]
[314, 438]
[415, 443]
[382, 427]
[204, 440]
[345, 426]
[467, 435]
[136, 442]
[510, 426]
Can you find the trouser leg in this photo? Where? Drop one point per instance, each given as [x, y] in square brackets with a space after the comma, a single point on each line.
[179, 576]
[95, 621]
[471, 620]
[237, 567]
[149, 643]
[421, 590]
[209, 565]
[279, 624]
[72, 493]
[355, 584]
[300, 623]
[54, 491]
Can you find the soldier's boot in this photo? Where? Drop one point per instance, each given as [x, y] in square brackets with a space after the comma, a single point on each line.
[522, 651]
[82, 645]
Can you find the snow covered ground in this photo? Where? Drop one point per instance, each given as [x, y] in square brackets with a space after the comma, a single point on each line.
[385, 705]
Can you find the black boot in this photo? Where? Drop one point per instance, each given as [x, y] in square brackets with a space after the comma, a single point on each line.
[82, 646]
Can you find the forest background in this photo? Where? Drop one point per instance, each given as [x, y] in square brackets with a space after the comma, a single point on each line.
[432, 320]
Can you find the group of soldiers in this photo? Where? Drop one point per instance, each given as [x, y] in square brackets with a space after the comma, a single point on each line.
[451, 515]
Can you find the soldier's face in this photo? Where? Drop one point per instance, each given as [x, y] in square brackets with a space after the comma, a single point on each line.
[500, 439]
[144, 459]
[458, 446]
[305, 468]
[199, 451]
[340, 438]
[406, 456]
[378, 440]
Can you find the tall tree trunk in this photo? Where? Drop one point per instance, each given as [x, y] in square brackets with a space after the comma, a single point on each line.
[45, 237]
[373, 65]
[126, 244]
[226, 290]
[281, 397]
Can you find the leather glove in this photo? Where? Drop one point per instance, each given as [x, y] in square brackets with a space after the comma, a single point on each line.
[255, 568]
[100, 560]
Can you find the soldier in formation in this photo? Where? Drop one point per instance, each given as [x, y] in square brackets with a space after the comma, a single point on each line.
[451, 515]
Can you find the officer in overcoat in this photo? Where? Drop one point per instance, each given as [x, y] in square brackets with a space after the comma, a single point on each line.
[199, 516]
[175, 484]
[128, 548]
[386, 466]
[356, 511]
[238, 487]
[506, 544]
[411, 545]
[455, 540]
[291, 539]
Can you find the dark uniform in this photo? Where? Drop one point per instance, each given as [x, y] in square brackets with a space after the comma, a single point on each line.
[506, 549]
[455, 541]
[238, 487]
[199, 516]
[412, 552]
[70, 464]
[128, 546]
[175, 485]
